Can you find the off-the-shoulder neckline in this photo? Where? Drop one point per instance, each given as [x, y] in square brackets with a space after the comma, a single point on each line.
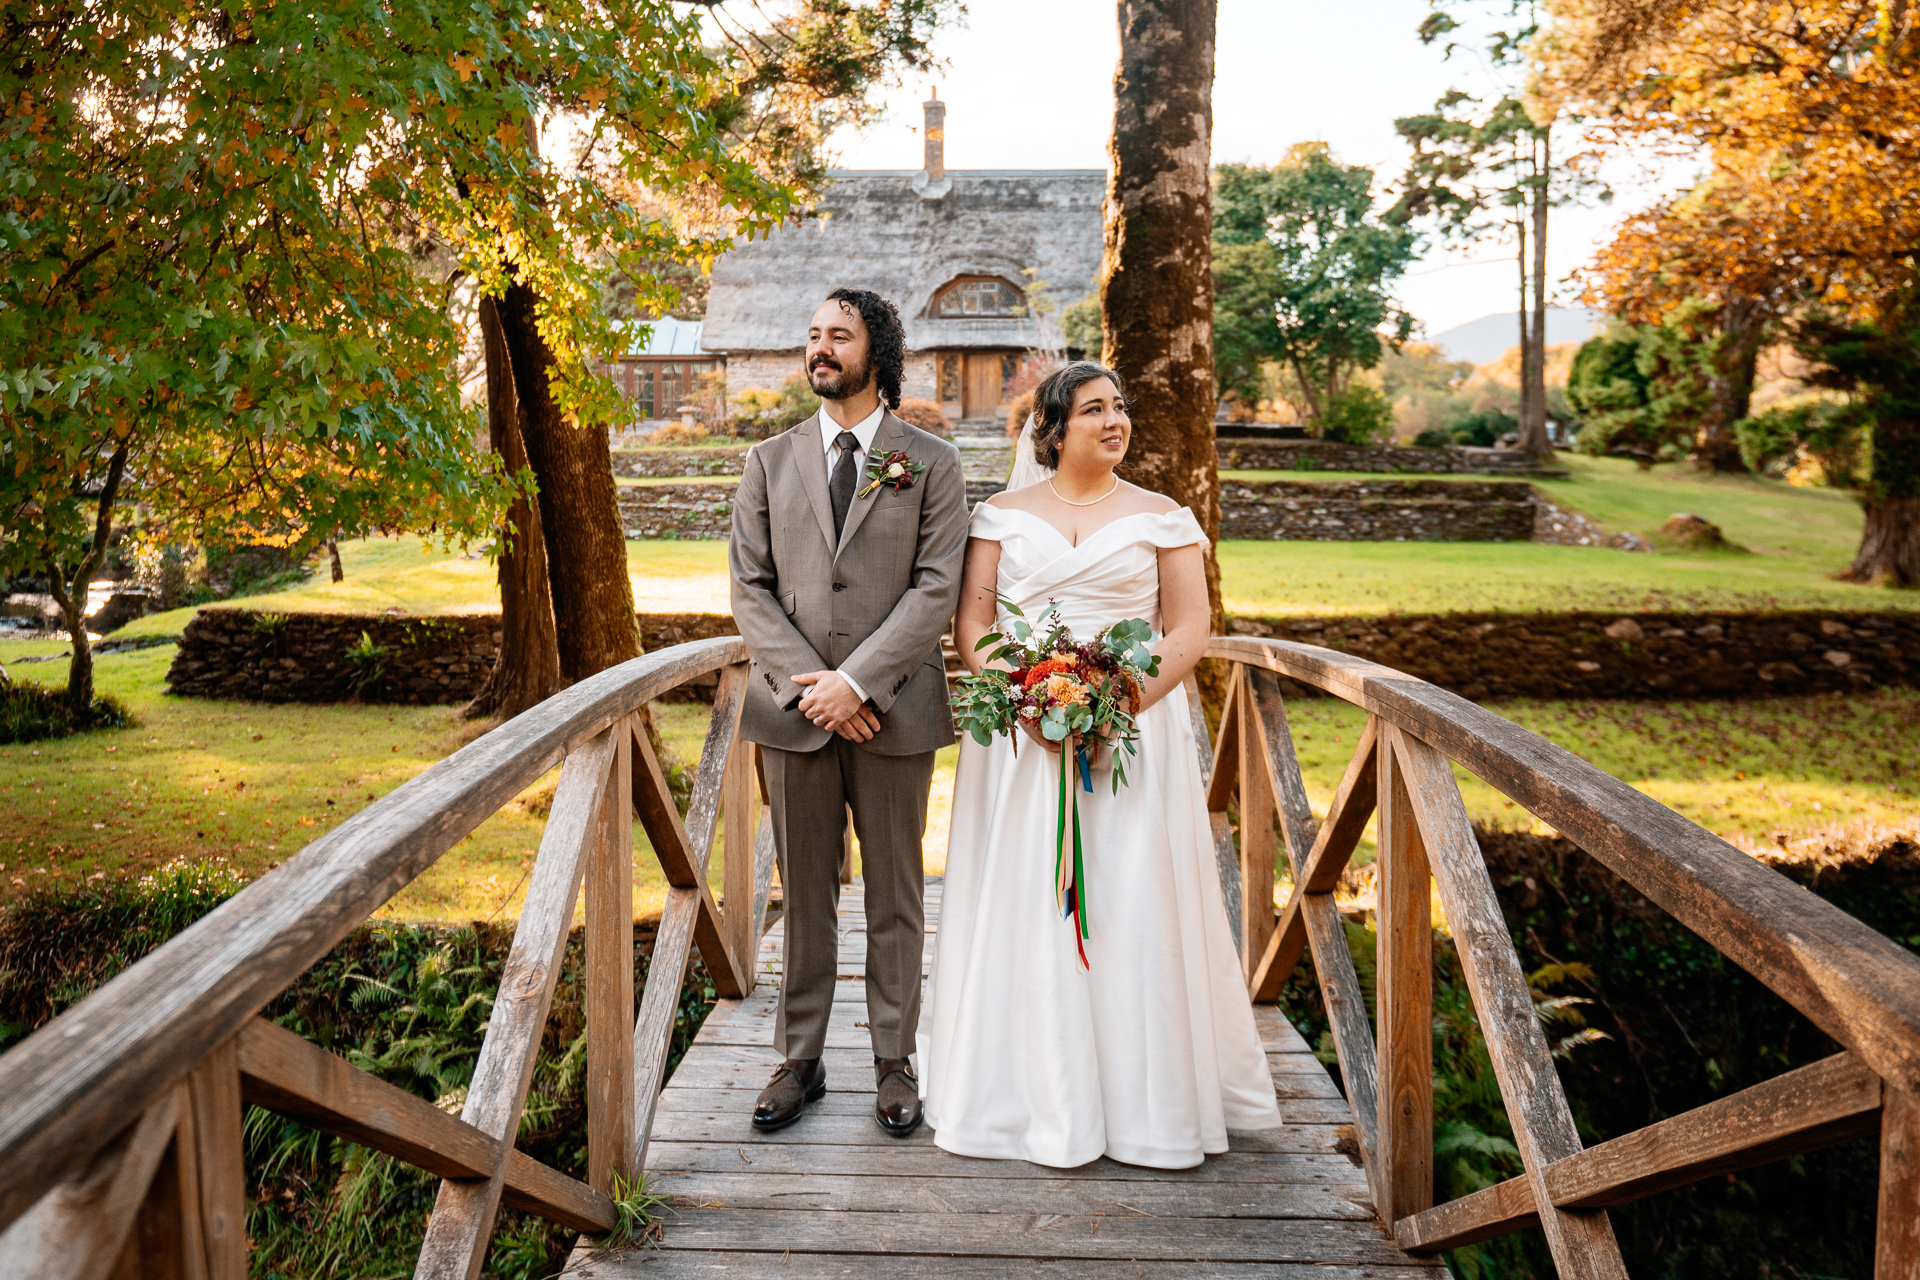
[1054, 529]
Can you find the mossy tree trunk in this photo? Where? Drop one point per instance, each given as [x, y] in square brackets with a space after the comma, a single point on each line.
[1736, 355]
[579, 511]
[527, 671]
[68, 583]
[1889, 553]
[1156, 282]
[1533, 351]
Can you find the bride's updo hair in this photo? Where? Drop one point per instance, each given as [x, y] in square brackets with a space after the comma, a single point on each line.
[1053, 405]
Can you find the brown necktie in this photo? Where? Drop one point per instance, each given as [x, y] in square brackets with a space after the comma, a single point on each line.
[845, 476]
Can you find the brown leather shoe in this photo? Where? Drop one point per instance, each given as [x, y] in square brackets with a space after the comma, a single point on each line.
[897, 1106]
[795, 1083]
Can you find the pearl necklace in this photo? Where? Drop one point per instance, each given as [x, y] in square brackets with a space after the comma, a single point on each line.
[1091, 501]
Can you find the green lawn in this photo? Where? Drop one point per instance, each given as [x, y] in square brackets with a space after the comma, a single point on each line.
[411, 574]
[1758, 772]
[252, 783]
[1794, 539]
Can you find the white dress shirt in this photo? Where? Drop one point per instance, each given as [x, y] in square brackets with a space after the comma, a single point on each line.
[863, 432]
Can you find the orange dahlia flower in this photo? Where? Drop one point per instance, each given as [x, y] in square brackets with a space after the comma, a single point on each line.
[1047, 667]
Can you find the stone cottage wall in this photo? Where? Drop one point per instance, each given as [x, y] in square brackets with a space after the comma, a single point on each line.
[760, 370]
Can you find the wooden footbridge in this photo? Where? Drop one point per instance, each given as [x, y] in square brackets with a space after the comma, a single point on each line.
[120, 1121]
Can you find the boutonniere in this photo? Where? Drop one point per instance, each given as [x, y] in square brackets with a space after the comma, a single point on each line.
[896, 469]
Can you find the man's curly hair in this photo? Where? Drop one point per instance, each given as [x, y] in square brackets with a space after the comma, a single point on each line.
[886, 339]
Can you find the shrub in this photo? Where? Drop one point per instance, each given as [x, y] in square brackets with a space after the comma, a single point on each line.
[173, 574]
[1673, 1025]
[678, 434]
[30, 712]
[408, 1003]
[59, 943]
[1018, 410]
[1080, 327]
[924, 414]
[366, 665]
[1818, 432]
[1642, 391]
[1484, 428]
[1433, 438]
[767, 413]
[1359, 415]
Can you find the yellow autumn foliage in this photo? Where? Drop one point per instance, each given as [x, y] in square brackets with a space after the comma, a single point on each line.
[1810, 114]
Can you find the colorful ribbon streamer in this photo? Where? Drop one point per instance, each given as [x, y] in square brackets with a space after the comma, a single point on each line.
[1069, 868]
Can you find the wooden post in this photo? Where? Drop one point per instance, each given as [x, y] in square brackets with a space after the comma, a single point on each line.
[1256, 836]
[1283, 767]
[609, 959]
[1581, 1239]
[166, 1243]
[1226, 859]
[461, 1224]
[1405, 1002]
[740, 803]
[219, 1162]
[1896, 1252]
[76, 1230]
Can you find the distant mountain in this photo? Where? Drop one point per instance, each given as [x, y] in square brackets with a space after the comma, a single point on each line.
[1489, 337]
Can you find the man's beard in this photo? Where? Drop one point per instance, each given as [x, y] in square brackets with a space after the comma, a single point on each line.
[840, 383]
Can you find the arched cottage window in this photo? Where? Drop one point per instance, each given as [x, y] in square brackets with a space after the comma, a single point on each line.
[974, 297]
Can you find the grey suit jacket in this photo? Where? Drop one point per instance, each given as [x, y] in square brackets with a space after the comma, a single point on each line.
[874, 605]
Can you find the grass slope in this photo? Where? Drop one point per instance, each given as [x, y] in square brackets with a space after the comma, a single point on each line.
[1793, 539]
[412, 575]
[252, 783]
[1762, 772]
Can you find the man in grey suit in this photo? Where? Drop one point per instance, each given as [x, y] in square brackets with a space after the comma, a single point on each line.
[842, 587]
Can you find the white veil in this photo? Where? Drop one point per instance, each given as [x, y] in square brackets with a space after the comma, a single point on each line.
[1026, 469]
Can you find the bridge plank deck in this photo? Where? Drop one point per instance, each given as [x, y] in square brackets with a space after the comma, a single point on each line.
[834, 1196]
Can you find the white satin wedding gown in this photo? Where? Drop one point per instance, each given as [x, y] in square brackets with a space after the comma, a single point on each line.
[1149, 1055]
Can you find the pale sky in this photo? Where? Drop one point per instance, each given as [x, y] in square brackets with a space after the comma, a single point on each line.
[1029, 85]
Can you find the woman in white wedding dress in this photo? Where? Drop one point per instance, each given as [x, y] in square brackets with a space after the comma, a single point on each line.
[1149, 1054]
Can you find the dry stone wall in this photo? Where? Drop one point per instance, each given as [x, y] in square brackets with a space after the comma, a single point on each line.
[674, 463]
[677, 510]
[1235, 455]
[1610, 655]
[252, 656]
[1385, 510]
[247, 655]
[1325, 455]
[1377, 511]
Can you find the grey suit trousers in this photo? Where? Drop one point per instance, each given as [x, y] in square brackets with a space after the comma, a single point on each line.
[810, 793]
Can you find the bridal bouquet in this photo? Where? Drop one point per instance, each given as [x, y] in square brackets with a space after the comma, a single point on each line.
[1075, 693]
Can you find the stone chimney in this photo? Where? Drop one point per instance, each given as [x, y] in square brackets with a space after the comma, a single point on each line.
[932, 182]
[936, 136]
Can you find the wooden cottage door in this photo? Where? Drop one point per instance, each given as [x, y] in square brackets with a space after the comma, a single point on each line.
[984, 379]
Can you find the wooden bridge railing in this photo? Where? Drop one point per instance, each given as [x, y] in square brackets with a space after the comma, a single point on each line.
[120, 1121]
[1860, 988]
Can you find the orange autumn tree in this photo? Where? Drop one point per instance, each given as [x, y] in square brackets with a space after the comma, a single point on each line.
[1810, 116]
[1719, 254]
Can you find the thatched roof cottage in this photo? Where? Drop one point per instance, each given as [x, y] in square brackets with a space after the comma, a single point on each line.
[955, 250]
